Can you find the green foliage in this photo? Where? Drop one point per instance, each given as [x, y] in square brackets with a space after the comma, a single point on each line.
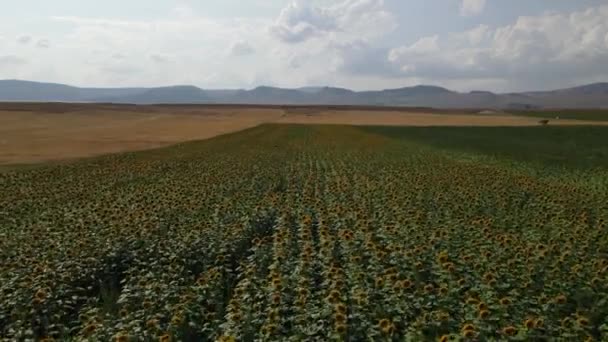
[316, 233]
[574, 114]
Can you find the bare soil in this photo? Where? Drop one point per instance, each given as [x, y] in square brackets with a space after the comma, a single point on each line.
[37, 132]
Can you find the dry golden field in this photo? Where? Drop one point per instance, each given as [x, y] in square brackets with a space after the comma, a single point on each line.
[42, 132]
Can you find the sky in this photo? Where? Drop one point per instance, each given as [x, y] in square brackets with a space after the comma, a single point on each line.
[496, 45]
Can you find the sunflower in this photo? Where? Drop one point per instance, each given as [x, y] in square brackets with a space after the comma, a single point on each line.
[341, 308]
[237, 317]
[340, 318]
[488, 277]
[165, 338]
[227, 338]
[89, 329]
[509, 331]
[276, 299]
[561, 299]
[270, 329]
[468, 333]
[472, 301]
[384, 325]
[340, 328]
[40, 294]
[442, 257]
[406, 284]
[505, 301]
[582, 321]
[468, 327]
[121, 337]
[428, 288]
[483, 314]
[444, 338]
[539, 323]
[482, 306]
[152, 324]
[443, 316]
[529, 323]
[177, 320]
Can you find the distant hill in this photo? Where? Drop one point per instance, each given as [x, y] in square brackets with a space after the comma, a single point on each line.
[174, 94]
[586, 96]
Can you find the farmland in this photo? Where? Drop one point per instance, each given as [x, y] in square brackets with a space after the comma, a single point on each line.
[316, 233]
[36, 132]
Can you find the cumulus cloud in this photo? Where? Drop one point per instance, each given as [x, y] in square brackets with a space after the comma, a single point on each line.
[546, 47]
[24, 39]
[241, 48]
[361, 58]
[11, 61]
[160, 59]
[301, 21]
[472, 7]
[43, 44]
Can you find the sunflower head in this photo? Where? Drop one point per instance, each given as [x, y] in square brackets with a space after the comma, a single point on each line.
[468, 333]
[443, 316]
[529, 323]
[89, 329]
[444, 338]
[539, 323]
[582, 321]
[505, 301]
[406, 284]
[472, 301]
[340, 328]
[483, 314]
[468, 326]
[341, 308]
[40, 294]
[152, 324]
[340, 318]
[121, 337]
[561, 299]
[384, 324]
[227, 338]
[165, 338]
[509, 331]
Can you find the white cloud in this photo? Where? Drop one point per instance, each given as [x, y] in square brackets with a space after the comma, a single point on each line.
[24, 39]
[241, 48]
[10, 61]
[43, 44]
[472, 7]
[159, 58]
[543, 49]
[301, 21]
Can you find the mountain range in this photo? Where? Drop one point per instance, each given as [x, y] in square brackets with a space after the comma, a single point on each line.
[587, 96]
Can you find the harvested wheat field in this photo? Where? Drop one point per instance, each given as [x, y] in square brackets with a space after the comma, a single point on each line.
[53, 131]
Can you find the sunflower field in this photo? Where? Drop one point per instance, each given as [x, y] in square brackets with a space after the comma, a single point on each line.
[313, 233]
